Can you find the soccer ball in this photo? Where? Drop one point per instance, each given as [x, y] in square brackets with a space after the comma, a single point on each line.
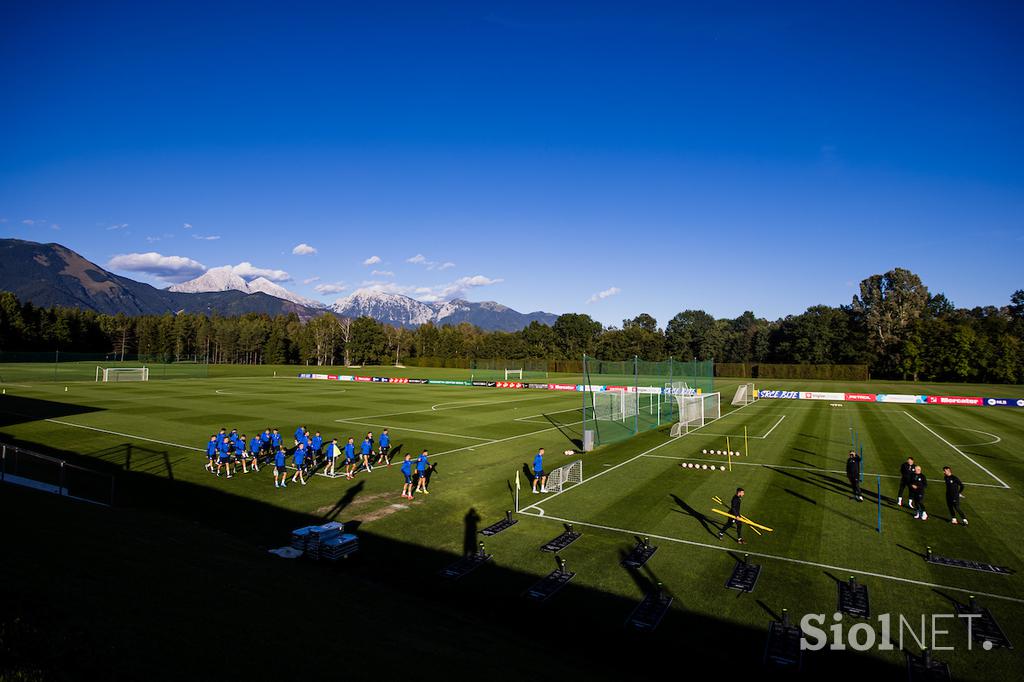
[704, 466]
[704, 452]
[569, 452]
[722, 468]
[738, 453]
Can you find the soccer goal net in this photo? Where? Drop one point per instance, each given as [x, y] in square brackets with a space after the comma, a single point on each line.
[516, 374]
[122, 374]
[615, 406]
[564, 476]
[697, 410]
[745, 394]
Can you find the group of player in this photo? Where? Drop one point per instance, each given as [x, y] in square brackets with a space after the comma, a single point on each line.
[914, 482]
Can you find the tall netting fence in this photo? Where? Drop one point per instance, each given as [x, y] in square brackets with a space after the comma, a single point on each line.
[31, 367]
[624, 398]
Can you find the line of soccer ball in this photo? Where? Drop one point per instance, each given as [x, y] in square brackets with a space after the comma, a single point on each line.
[724, 453]
[702, 467]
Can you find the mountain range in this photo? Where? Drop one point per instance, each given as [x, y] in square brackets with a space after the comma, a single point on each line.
[54, 275]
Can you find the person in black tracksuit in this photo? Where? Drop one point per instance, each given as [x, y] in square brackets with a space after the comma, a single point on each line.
[954, 491]
[917, 485]
[906, 474]
[853, 474]
[734, 509]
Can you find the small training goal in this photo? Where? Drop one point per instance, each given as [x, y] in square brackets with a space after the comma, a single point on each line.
[118, 374]
[745, 394]
[696, 410]
[516, 374]
[564, 476]
[615, 406]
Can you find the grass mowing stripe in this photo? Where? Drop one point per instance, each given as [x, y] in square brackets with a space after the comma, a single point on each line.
[126, 435]
[459, 406]
[961, 452]
[824, 471]
[762, 555]
[405, 428]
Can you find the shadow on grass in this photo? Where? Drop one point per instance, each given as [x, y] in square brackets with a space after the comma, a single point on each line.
[704, 521]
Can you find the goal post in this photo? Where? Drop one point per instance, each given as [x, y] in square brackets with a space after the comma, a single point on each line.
[695, 411]
[745, 394]
[119, 374]
[615, 405]
[564, 476]
[516, 374]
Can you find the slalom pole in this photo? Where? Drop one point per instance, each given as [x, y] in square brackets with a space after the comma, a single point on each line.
[878, 482]
[862, 463]
[746, 448]
[728, 449]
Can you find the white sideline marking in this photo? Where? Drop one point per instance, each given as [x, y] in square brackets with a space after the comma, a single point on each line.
[773, 428]
[958, 450]
[459, 406]
[976, 445]
[402, 428]
[782, 466]
[631, 459]
[221, 391]
[740, 435]
[762, 555]
[530, 417]
[126, 435]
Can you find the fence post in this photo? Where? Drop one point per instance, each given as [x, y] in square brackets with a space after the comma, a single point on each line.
[3, 463]
[62, 490]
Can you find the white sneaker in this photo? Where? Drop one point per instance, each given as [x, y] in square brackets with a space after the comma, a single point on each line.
[535, 492]
[964, 521]
[917, 516]
[924, 516]
[899, 501]
[953, 521]
[911, 503]
[543, 490]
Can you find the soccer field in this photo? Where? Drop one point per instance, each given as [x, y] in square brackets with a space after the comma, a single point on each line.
[792, 467]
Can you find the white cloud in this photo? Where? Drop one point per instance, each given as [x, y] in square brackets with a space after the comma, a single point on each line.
[446, 265]
[248, 271]
[152, 239]
[372, 260]
[303, 249]
[382, 273]
[430, 294]
[167, 268]
[310, 280]
[28, 221]
[325, 289]
[210, 238]
[186, 226]
[601, 295]
[121, 226]
[417, 259]
[55, 226]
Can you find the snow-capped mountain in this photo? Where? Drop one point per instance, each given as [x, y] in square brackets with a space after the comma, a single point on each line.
[403, 311]
[225, 279]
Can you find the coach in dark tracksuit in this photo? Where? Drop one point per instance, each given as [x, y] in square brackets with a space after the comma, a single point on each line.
[906, 474]
[734, 509]
[917, 485]
[954, 491]
[853, 473]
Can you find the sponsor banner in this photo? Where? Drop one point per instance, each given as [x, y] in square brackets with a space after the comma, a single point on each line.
[511, 384]
[332, 377]
[561, 387]
[399, 380]
[319, 376]
[901, 398]
[818, 395]
[650, 390]
[1004, 402]
[787, 395]
[544, 386]
[595, 389]
[346, 377]
[447, 382]
[680, 391]
[490, 384]
[364, 378]
[620, 389]
[417, 381]
[860, 397]
[305, 376]
[954, 400]
[380, 380]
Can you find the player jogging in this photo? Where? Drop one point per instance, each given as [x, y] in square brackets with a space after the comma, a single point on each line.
[300, 459]
[734, 509]
[384, 444]
[350, 459]
[315, 443]
[280, 470]
[421, 473]
[254, 453]
[853, 474]
[917, 486]
[539, 477]
[906, 477]
[224, 456]
[211, 453]
[954, 491]
[332, 452]
[407, 473]
[365, 449]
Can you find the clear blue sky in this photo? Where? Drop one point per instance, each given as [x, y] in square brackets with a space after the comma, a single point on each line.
[724, 156]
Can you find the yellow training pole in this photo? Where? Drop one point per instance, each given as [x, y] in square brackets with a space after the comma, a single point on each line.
[728, 450]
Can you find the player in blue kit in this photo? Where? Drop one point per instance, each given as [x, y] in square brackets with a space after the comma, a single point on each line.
[350, 459]
[365, 450]
[254, 453]
[280, 470]
[407, 473]
[333, 452]
[421, 473]
[385, 447]
[539, 477]
[315, 443]
[211, 453]
[275, 440]
[299, 432]
[224, 455]
[300, 463]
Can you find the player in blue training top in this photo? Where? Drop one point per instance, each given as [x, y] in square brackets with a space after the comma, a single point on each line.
[280, 470]
[224, 455]
[365, 449]
[254, 453]
[407, 473]
[315, 443]
[385, 447]
[299, 432]
[350, 458]
[331, 454]
[240, 454]
[421, 473]
[539, 477]
[300, 463]
[211, 453]
[275, 440]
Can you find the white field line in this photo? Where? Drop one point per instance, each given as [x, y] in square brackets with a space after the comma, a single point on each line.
[126, 435]
[500, 440]
[530, 417]
[631, 459]
[459, 406]
[740, 435]
[958, 450]
[796, 468]
[842, 569]
[996, 438]
[774, 427]
[402, 428]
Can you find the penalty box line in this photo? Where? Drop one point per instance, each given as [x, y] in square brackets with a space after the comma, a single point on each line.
[957, 450]
[796, 468]
[802, 562]
[740, 435]
[631, 459]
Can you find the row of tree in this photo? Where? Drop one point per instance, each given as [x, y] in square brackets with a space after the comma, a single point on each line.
[893, 325]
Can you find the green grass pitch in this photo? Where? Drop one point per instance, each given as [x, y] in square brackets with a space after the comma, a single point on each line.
[176, 580]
